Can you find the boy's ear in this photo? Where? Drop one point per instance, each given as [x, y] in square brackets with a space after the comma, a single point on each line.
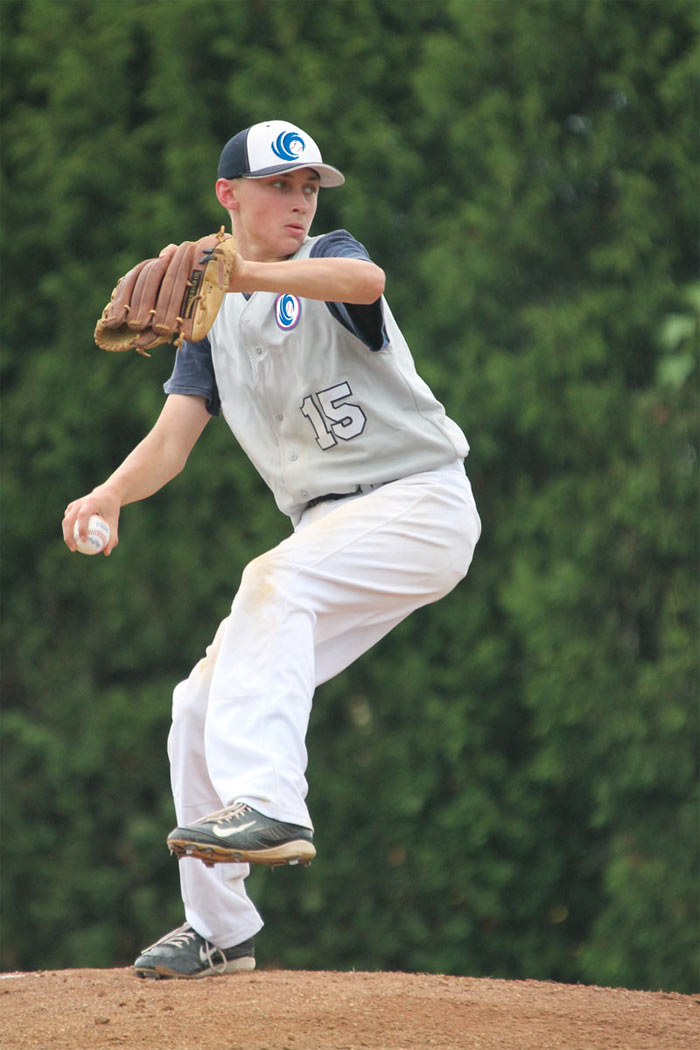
[226, 194]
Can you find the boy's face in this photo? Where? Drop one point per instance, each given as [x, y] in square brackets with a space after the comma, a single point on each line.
[272, 216]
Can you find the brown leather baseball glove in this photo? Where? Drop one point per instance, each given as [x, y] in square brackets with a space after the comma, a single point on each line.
[174, 297]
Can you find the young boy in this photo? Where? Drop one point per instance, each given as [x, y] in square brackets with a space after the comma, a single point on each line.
[313, 376]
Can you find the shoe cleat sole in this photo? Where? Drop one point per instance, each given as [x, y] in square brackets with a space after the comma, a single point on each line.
[291, 853]
[162, 973]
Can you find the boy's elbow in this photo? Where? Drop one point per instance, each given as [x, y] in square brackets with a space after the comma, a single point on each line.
[364, 282]
[376, 282]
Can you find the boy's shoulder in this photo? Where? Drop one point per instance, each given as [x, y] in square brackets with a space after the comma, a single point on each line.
[336, 243]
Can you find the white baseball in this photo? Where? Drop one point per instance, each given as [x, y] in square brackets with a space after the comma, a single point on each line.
[98, 536]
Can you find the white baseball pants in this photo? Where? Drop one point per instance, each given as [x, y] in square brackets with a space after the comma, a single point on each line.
[351, 571]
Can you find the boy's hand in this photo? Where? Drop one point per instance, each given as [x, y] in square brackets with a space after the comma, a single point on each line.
[101, 502]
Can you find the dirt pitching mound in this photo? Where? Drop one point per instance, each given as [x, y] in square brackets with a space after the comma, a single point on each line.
[283, 1010]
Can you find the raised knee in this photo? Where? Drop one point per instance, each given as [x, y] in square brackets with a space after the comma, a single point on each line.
[263, 578]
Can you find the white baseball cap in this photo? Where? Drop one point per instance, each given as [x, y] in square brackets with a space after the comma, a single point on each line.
[274, 146]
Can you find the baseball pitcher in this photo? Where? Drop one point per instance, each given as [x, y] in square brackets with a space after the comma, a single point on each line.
[288, 336]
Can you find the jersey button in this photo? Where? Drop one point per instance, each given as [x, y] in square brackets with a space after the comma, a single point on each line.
[293, 457]
[258, 350]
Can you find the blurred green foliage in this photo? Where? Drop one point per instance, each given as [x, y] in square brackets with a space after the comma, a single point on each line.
[508, 784]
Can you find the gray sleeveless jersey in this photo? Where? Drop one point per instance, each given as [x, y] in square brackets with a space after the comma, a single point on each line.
[315, 410]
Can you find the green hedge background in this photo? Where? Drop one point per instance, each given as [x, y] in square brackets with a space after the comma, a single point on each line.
[507, 785]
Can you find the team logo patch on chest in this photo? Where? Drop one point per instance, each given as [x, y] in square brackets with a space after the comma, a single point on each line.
[287, 311]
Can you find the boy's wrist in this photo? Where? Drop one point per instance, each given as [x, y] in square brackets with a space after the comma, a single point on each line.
[110, 490]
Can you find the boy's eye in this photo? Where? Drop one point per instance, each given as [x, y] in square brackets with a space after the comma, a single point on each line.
[310, 189]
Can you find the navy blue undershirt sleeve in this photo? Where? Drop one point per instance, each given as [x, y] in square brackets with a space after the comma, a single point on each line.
[364, 321]
[194, 374]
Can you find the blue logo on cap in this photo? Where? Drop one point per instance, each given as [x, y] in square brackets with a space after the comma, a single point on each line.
[287, 311]
[288, 145]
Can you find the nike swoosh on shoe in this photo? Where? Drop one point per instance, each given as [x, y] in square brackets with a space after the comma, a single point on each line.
[224, 833]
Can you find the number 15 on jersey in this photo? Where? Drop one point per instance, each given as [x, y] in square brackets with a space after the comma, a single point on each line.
[332, 416]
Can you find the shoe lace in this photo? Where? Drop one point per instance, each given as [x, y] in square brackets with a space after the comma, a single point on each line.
[178, 938]
[214, 956]
[226, 815]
